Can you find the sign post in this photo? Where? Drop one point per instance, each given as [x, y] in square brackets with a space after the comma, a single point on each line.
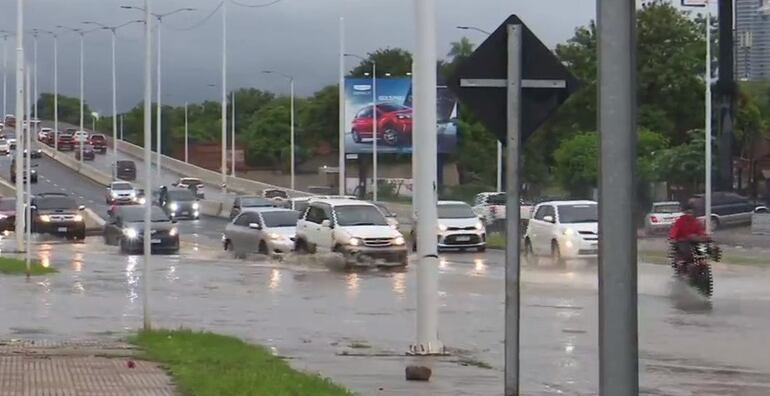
[535, 86]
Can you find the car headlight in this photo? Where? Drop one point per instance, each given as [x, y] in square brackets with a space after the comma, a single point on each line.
[173, 206]
[568, 232]
[114, 194]
[274, 236]
[196, 206]
[354, 242]
[141, 200]
[131, 233]
[2, 216]
[45, 218]
[442, 227]
[78, 218]
[133, 194]
[173, 231]
[399, 241]
[479, 226]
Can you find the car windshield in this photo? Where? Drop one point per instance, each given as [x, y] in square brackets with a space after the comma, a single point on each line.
[56, 203]
[584, 213]
[455, 211]
[255, 202]
[359, 215]
[7, 204]
[135, 214]
[283, 218]
[496, 199]
[126, 164]
[666, 208]
[181, 195]
[122, 186]
[98, 137]
[276, 194]
[10, 135]
[384, 209]
[191, 182]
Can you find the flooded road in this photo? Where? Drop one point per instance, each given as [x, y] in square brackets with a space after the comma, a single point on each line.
[324, 318]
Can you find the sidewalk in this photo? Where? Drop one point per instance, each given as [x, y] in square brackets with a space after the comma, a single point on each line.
[51, 368]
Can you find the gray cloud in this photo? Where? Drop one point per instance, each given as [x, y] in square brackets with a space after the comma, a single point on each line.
[298, 37]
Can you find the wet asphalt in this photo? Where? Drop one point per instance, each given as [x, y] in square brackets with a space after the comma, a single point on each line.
[309, 309]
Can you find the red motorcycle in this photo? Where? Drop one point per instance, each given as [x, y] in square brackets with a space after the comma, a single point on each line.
[696, 269]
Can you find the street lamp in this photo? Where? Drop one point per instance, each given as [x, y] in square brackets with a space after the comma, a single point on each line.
[55, 87]
[158, 116]
[499, 179]
[5, 70]
[291, 142]
[114, 29]
[374, 121]
[19, 229]
[94, 118]
[81, 33]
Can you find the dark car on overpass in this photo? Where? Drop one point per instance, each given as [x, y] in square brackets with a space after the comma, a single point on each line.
[125, 228]
[179, 203]
[126, 170]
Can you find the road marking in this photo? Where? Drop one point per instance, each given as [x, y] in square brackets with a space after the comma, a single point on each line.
[63, 189]
[81, 197]
[55, 185]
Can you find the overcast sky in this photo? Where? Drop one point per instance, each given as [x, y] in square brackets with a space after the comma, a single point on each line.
[298, 37]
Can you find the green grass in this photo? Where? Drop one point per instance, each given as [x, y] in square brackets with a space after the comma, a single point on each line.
[495, 241]
[207, 364]
[13, 266]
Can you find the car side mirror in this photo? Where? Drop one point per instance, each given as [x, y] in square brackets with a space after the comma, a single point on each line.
[33, 207]
[82, 207]
[326, 224]
[549, 219]
[255, 226]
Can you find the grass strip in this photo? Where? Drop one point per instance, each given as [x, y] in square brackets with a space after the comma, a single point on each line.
[207, 364]
[14, 266]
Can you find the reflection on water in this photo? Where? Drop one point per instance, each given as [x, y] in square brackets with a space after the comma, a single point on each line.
[479, 268]
[171, 274]
[132, 279]
[353, 283]
[275, 280]
[77, 262]
[399, 283]
[442, 263]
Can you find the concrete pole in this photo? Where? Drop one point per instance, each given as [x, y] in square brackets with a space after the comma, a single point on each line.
[147, 161]
[232, 136]
[82, 93]
[425, 178]
[5, 75]
[512, 228]
[34, 82]
[374, 130]
[499, 179]
[114, 107]
[293, 148]
[27, 136]
[159, 109]
[342, 180]
[616, 114]
[121, 127]
[186, 134]
[19, 231]
[224, 97]
[55, 93]
[707, 121]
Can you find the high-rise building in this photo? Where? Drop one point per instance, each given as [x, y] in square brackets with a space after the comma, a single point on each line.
[752, 39]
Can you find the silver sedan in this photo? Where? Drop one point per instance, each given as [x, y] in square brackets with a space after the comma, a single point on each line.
[261, 230]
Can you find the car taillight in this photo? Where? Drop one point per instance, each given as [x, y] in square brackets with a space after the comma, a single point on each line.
[492, 210]
[653, 219]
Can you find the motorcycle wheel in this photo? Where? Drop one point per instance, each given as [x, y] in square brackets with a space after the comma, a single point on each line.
[701, 278]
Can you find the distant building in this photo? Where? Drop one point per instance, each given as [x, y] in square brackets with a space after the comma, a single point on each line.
[752, 39]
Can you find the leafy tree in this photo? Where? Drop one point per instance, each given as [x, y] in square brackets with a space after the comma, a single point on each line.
[461, 49]
[396, 61]
[69, 109]
[319, 117]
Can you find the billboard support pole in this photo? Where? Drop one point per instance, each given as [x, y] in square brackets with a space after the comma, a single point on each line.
[342, 189]
[374, 130]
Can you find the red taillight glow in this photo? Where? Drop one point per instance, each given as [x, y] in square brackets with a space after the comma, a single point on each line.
[653, 219]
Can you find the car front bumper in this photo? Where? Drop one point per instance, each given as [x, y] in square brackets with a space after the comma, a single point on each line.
[462, 239]
[60, 228]
[390, 254]
[167, 244]
[574, 247]
[280, 245]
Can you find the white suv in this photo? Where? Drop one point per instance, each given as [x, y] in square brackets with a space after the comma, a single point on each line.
[351, 227]
[563, 230]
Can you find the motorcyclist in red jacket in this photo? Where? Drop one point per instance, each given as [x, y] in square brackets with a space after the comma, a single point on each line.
[686, 231]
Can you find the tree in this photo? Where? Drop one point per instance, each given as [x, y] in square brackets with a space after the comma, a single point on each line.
[396, 61]
[69, 109]
[459, 51]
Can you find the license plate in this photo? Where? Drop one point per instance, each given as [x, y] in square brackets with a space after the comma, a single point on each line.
[463, 239]
[62, 229]
[155, 240]
[185, 213]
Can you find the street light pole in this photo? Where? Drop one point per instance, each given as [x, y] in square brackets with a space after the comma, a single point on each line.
[375, 128]
[81, 33]
[147, 161]
[5, 73]
[342, 173]
[708, 119]
[232, 137]
[427, 341]
[19, 230]
[26, 136]
[34, 97]
[186, 134]
[291, 127]
[224, 97]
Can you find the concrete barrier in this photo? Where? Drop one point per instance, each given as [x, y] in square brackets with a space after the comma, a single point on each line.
[760, 223]
[237, 184]
[7, 189]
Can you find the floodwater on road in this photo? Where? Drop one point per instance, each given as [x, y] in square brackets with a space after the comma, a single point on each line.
[320, 316]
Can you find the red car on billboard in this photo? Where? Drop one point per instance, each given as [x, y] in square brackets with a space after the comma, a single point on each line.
[394, 124]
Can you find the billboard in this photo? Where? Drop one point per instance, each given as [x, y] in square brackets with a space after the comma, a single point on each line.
[394, 117]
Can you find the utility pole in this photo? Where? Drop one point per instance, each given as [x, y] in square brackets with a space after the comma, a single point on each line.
[343, 179]
[19, 230]
[726, 90]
